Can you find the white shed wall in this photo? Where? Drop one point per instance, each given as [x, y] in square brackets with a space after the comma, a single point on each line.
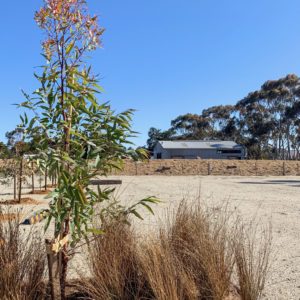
[195, 153]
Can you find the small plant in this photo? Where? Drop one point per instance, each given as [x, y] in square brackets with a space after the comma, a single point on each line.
[15, 168]
[9, 174]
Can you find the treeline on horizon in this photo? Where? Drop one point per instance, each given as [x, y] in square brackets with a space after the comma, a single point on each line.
[266, 121]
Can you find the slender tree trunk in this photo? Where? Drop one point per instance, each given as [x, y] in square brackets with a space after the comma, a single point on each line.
[283, 150]
[279, 148]
[15, 186]
[65, 260]
[32, 177]
[288, 143]
[20, 180]
[46, 178]
[67, 117]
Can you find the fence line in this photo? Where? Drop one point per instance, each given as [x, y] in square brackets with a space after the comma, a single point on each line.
[177, 167]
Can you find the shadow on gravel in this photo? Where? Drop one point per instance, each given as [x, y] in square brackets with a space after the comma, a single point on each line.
[293, 183]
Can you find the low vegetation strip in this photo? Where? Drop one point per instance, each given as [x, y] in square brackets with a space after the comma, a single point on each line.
[179, 167]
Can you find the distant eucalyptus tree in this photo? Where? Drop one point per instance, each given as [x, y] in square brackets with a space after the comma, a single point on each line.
[266, 121]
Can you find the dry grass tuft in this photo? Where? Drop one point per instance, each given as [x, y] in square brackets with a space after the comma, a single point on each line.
[165, 275]
[22, 263]
[200, 240]
[252, 261]
[113, 265]
[197, 255]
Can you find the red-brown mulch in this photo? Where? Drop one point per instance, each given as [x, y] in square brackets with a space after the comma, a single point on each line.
[9, 217]
[24, 201]
[39, 192]
[51, 185]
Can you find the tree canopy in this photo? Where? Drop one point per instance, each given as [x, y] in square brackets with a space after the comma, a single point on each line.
[266, 121]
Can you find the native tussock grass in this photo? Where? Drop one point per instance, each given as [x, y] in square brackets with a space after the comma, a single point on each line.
[22, 262]
[252, 258]
[198, 253]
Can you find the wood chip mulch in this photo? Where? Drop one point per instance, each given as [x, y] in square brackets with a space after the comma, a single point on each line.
[9, 217]
[24, 201]
[39, 192]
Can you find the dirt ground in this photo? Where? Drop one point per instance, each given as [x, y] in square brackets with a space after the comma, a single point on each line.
[267, 199]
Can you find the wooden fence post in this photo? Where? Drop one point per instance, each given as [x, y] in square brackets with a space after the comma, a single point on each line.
[283, 169]
[208, 168]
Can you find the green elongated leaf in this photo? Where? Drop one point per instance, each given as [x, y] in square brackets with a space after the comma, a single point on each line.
[95, 231]
[97, 161]
[65, 179]
[70, 47]
[69, 159]
[82, 196]
[136, 214]
[48, 222]
[152, 200]
[31, 124]
[98, 87]
[148, 207]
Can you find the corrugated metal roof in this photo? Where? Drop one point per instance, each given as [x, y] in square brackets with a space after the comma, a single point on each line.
[199, 144]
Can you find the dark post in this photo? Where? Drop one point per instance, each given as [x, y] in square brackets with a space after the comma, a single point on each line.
[15, 186]
[20, 180]
[46, 177]
[50, 267]
[52, 180]
[32, 178]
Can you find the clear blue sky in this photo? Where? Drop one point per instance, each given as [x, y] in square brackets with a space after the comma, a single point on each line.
[163, 57]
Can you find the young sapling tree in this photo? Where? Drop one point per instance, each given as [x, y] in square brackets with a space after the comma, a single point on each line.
[81, 138]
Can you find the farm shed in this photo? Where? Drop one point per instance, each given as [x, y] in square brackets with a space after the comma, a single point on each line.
[198, 150]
